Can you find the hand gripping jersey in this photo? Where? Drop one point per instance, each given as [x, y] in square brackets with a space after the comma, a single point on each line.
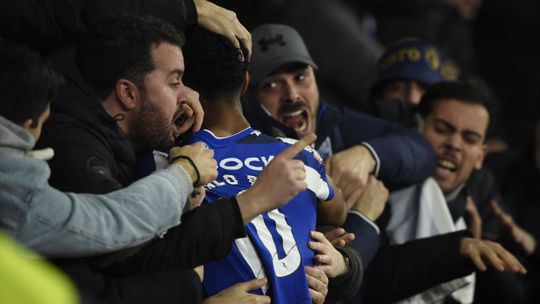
[276, 245]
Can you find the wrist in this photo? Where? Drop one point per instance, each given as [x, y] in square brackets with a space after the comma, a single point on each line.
[184, 164]
[201, 6]
[346, 264]
[371, 162]
[247, 206]
[366, 213]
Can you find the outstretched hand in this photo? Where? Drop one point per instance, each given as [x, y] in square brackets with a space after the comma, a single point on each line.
[327, 258]
[281, 180]
[520, 236]
[482, 252]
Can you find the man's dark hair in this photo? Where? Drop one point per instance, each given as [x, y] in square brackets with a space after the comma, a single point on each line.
[28, 83]
[213, 64]
[122, 49]
[472, 91]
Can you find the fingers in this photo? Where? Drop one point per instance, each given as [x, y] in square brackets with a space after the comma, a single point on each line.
[293, 150]
[339, 237]
[194, 104]
[187, 123]
[224, 22]
[318, 284]
[474, 220]
[335, 173]
[477, 260]
[257, 299]
[485, 252]
[319, 237]
[343, 240]
[509, 261]
[502, 216]
[316, 274]
[322, 246]
[334, 234]
[252, 285]
[495, 206]
[354, 190]
[316, 296]
[203, 162]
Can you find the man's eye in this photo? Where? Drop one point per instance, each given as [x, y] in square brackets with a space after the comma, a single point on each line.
[472, 139]
[301, 77]
[441, 128]
[175, 84]
[269, 85]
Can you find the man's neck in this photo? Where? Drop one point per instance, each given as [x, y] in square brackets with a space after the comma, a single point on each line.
[224, 117]
[113, 110]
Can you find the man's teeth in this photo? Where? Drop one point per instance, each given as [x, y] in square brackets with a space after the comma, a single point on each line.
[302, 127]
[294, 113]
[447, 165]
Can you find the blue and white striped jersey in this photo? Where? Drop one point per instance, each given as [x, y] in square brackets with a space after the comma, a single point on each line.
[276, 245]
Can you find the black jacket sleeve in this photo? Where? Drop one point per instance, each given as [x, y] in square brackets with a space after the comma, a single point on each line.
[206, 233]
[46, 25]
[400, 271]
[348, 284]
[413, 162]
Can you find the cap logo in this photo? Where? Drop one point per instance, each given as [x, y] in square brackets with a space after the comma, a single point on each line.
[265, 43]
[432, 59]
[412, 55]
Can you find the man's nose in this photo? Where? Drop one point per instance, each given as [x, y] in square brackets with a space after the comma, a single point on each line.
[291, 93]
[453, 141]
[182, 95]
[414, 92]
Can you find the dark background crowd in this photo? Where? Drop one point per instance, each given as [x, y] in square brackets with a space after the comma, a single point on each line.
[427, 151]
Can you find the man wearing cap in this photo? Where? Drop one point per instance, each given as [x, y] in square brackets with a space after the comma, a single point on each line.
[283, 82]
[405, 70]
[285, 101]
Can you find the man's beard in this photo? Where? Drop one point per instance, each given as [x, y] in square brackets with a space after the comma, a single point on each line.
[151, 130]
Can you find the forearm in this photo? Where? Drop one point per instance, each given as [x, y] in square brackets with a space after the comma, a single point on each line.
[413, 162]
[70, 225]
[367, 237]
[206, 233]
[400, 271]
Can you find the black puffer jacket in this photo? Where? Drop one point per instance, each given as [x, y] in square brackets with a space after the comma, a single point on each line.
[93, 155]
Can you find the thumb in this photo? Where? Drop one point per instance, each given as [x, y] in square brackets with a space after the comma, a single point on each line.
[253, 284]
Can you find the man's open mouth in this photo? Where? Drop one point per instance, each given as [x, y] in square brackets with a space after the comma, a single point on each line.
[447, 165]
[178, 120]
[297, 120]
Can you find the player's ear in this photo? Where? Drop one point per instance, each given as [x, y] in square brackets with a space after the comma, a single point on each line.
[245, 83]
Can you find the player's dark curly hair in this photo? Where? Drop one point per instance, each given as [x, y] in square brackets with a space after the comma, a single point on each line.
[213, 65]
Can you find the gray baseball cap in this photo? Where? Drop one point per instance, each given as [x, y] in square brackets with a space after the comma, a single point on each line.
[273, 46]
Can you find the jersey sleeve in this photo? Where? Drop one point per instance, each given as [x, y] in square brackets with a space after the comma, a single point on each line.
[315, 172]
[316, 176]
